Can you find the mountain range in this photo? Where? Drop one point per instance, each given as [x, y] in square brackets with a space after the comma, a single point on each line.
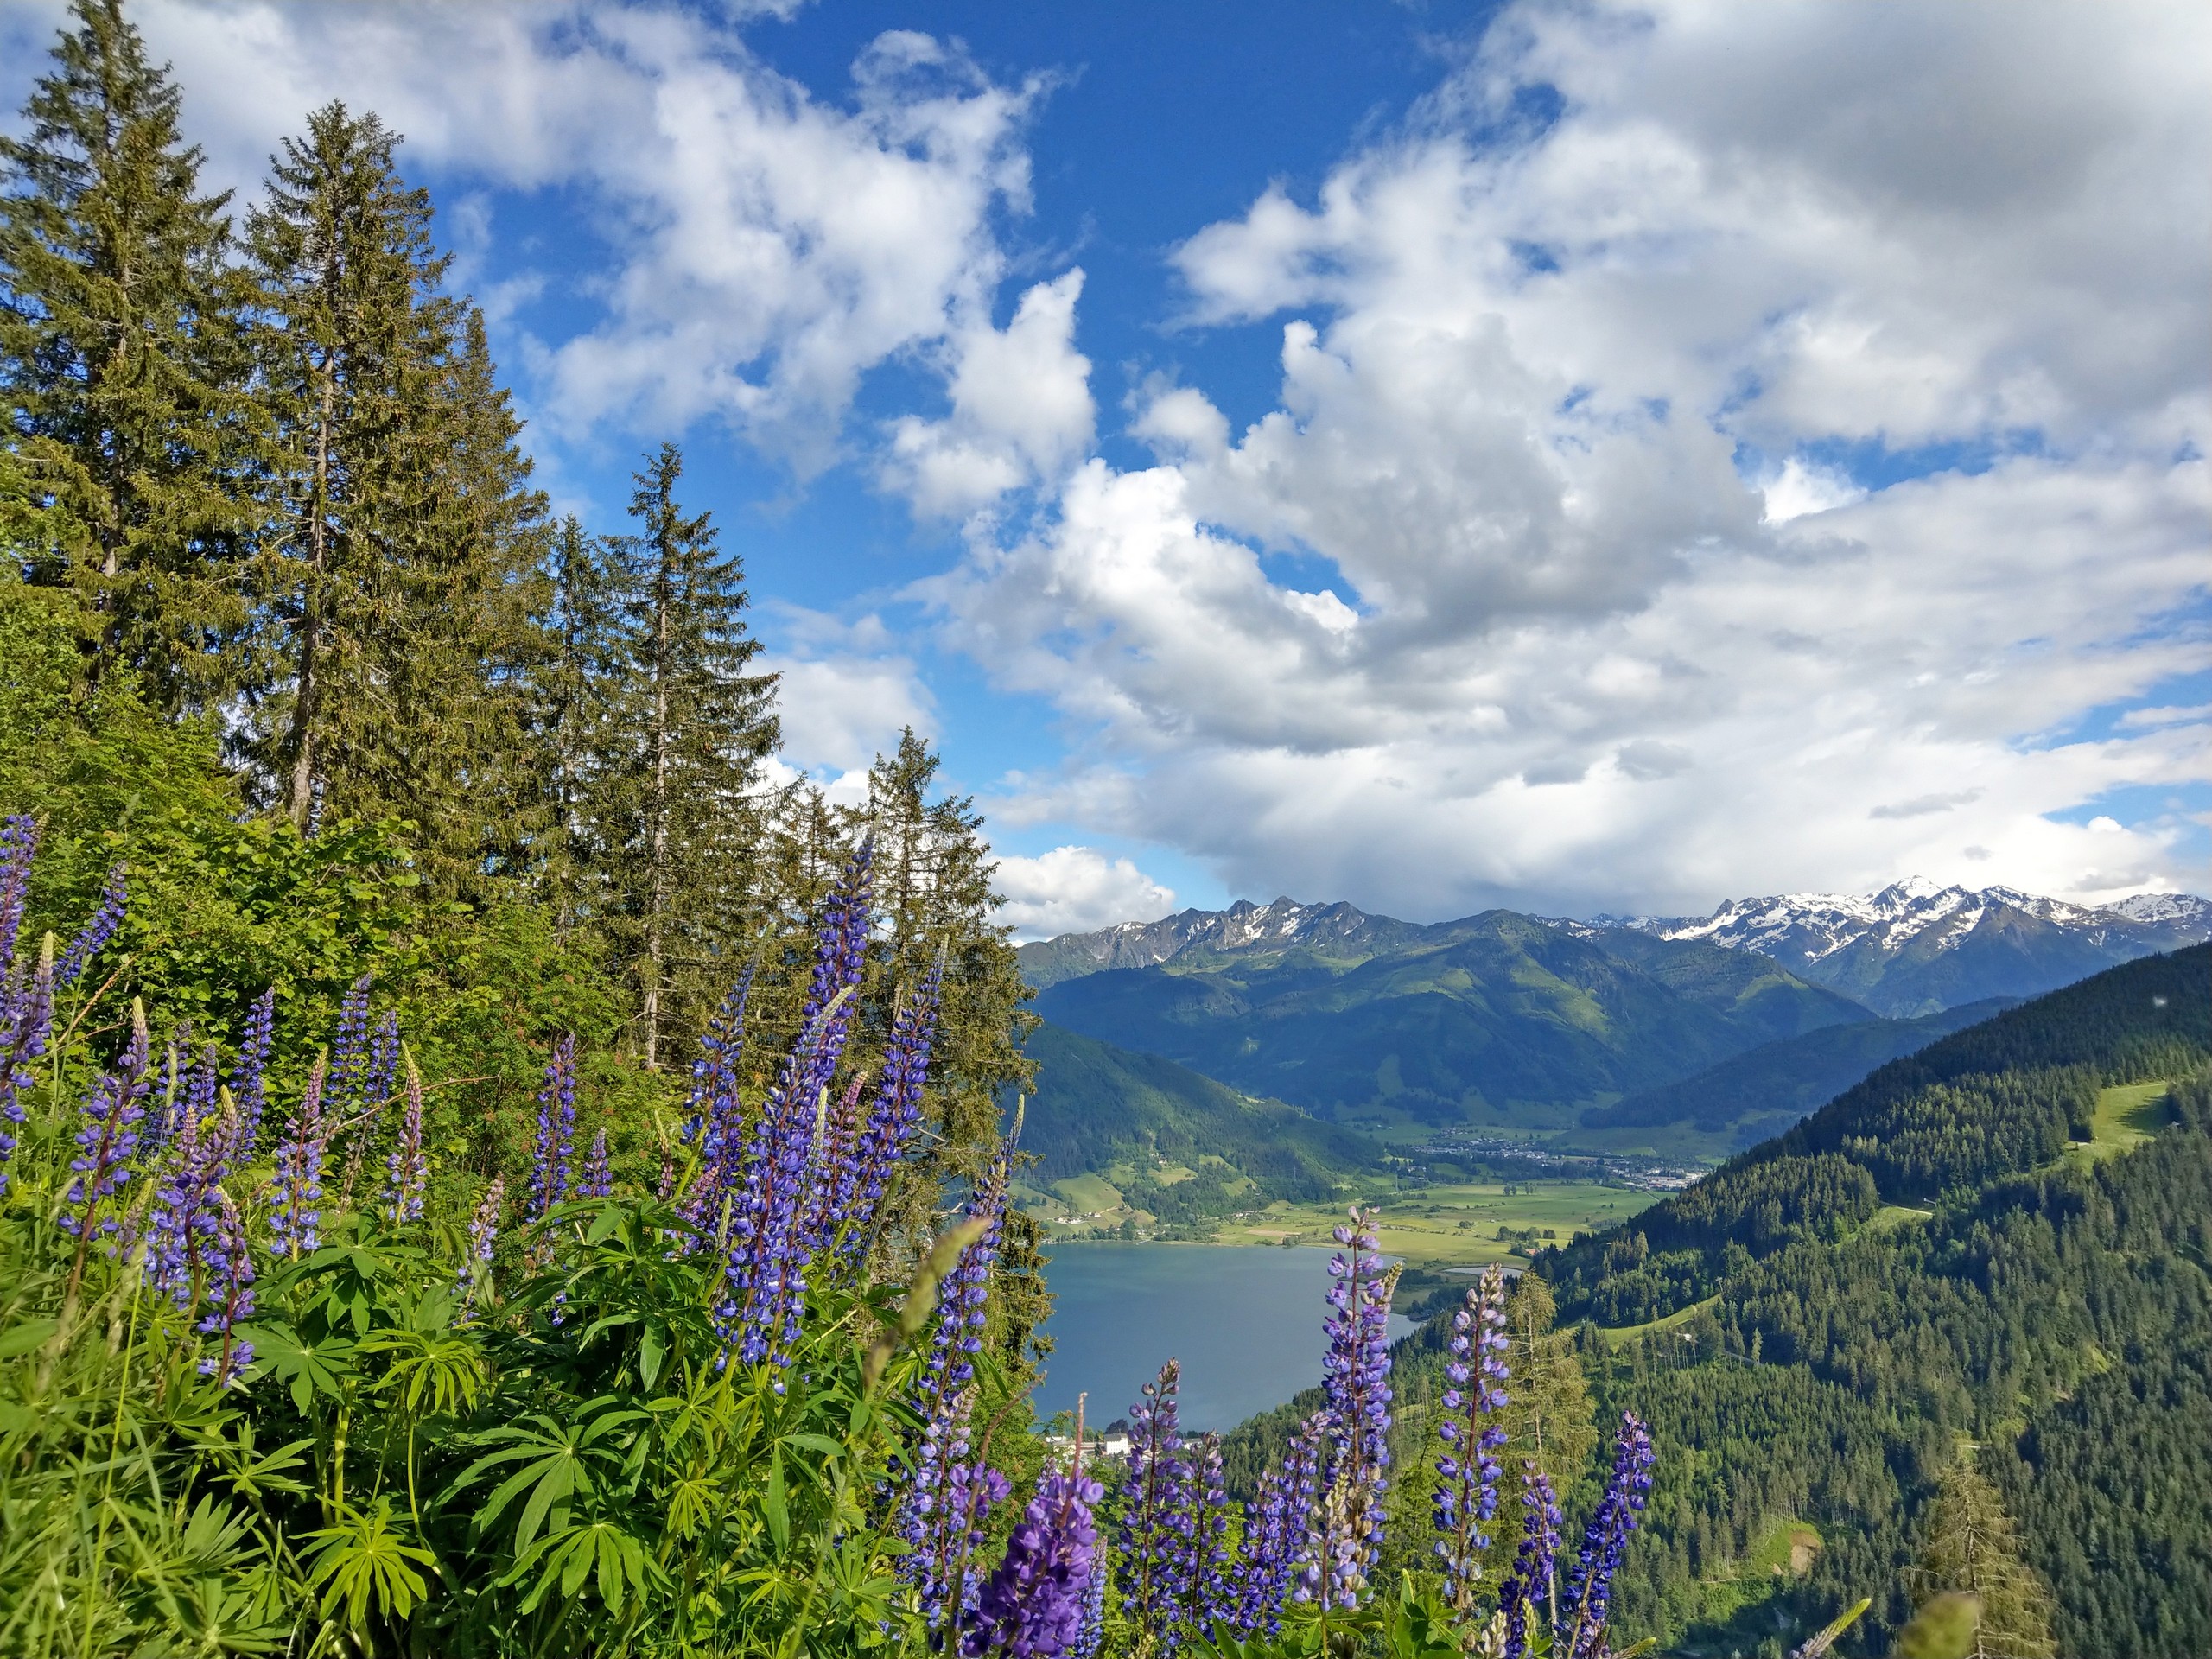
[1734, 1023]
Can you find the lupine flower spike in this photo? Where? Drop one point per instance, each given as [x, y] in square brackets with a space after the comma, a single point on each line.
[772, 1217]
[1529, 1583]
[892, 1117]
[229, 1293]
[93, 938]
[1590, 1587]
[554, 1151]
[598, 1173]
[1200, 1533]
[295, 1196]
[26, 998]
[483, 1234]
[248, 1082]
[1275, 1525]
[109, 1139]
[947, 1496]
[1150, 1588]
[1355, 1379]
[1466, 1493]
[1032, 1606]
[181, 1238]
[408, 1169]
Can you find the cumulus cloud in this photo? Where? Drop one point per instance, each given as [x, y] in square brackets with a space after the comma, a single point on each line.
[1021, 409]
[1573, 417]
[764, 247]
[1076, 890]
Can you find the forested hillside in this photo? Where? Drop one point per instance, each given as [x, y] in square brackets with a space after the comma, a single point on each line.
[1928, 1260]
[1099, 1108]
[1498, 1018]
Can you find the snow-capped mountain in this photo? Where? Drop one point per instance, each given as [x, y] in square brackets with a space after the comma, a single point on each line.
[1917, 946]
[1245, 925]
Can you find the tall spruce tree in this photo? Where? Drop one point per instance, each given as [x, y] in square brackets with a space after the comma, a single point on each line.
[1970, 1546]
[680, 759]
[121, 361]
[577, 688]
[399, 586]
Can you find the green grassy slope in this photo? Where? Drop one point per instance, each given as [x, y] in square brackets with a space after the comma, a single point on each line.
[1497, 1019]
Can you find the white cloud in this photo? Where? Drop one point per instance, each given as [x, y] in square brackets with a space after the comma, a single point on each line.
[840, 709]
[1021, 409]
[1524, 396]
[1076, 890]
[764, 248]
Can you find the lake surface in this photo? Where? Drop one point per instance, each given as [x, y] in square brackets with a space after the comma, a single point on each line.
[1246, 1323]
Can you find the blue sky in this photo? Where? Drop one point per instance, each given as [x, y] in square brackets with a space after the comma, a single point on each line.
[1596, 457]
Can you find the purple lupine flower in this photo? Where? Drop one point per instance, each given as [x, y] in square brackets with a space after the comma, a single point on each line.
[1355, 1379]
[555, 1149]
[186, 1217]
[249, 1087]
[1206, 1601]
[483, 1234]
[769, 1241]
[382, 1073]
[1529, 1583]
[1590, 1583]
[1032, 1606]
[1150, 1588]
[716, 1121]
[1090, 1632]
[115, 901]
[939, 1508]
[109, 1139]
[347, 1089]
[893, 1114]
[1466, 1493]
[26, 1000]
[599, 1172]
[229, 1265]
[296, 1194]
[408, 1170]
[1275, 1524]
[836, 1167]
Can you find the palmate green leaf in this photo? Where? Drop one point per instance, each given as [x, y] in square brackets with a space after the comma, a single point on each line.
[310, 1368]
[613, 1563]
[558, 1459]
[364, 1564]
[31, 1335]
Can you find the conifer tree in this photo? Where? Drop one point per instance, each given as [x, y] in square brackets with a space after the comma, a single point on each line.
[399, 585]
[575, 691]
[681, 760]
[121, 362]
[1970, 1546]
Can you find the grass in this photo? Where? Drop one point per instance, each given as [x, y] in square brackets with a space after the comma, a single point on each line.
[1895, 1215]
[1083, 1194]
[2127, 1115]
[1618, 1335]
[1453, 1226]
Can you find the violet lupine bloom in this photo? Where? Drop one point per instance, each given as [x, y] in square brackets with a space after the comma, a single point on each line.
[91, 939]
[771, 1222]
[1032, 1606]
[1275, 1531]
[408, 1169]
[839, 1131]
[26, 998]
[1150, 1588]
[249, 1086]
[1466, 1493]
[715, 1124]
[383, 1071]
[1355, 1379]
[1529, 1583]
[1206, 1601]
[483, 1234]
[895, 1111]
[296, 1194]
[946, 1495]
[555, 1148]
[110, 1138]
[229, 1266]
[1091, 1633]
[349, 1052]
[182, 1229]
[598, 1173]
[1590, 1583]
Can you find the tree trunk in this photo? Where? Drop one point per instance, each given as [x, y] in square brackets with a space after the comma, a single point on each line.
[301, 738]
